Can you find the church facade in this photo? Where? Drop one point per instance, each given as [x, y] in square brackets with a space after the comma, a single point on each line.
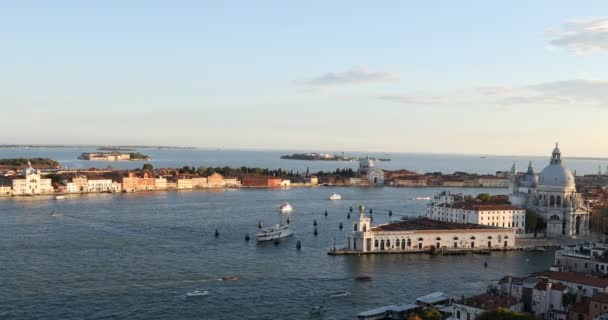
[552, 194]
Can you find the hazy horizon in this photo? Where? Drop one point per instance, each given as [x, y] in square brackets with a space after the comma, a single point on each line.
[422, 77]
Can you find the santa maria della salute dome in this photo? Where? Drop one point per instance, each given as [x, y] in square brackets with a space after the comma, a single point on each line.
[552, 194]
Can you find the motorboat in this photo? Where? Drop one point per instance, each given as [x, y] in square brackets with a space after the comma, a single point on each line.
[363, 278]
[197, 293]
[60, 197]
[335, 196]
[274, 233]
[423, 198]
[318, 310]
[340, 294]
[285, 207]
[229, 278]
[54, 213]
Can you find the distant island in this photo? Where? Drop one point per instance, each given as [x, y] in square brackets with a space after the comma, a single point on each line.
[113, 156]
[326, 157]
[36, 162]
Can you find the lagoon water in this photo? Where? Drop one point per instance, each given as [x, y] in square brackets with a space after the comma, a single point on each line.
[135, 256]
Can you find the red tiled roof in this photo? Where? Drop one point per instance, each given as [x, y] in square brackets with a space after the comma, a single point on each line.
[576, 277]
[488, 301]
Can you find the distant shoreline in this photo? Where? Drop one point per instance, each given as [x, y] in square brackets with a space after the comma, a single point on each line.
[44, 146]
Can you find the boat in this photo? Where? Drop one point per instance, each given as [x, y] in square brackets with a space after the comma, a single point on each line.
[54, 213]
[423, 198]
[363, 278]
[60, 197]
[340, 294]
[315, 311]
[335, 196]
[274, 233]
[285, 207]
[197, 293]
[229, 278]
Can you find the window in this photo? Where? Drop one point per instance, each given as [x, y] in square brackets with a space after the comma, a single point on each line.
[375, 243]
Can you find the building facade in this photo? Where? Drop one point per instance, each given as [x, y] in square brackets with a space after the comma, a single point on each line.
[423, 234]
[552, 194]
[29, 183]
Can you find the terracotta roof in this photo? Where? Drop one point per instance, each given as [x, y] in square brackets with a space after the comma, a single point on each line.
[481, 206]
[542, 285]
[600, 297]
[576, 277]
[488, 301]
[428, 224]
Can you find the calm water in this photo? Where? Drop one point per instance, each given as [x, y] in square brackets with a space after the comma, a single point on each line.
[270, 159]
[134, 256]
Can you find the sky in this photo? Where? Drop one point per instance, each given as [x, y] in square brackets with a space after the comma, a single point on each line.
[479, 77]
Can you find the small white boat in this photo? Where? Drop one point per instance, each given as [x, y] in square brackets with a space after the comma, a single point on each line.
[318, 310]
[197, 293]
[285, 207]
[423, 198]
[276, 232]
[60, 197]
[335, 196]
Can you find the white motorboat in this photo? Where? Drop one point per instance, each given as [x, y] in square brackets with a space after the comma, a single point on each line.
[60, 197]
[274, 233]
[197, 293]
[335, 196]
[285, 207]
[423, 198]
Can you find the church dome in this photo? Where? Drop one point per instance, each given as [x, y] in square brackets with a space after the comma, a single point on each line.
[529, 179]
[556, 174]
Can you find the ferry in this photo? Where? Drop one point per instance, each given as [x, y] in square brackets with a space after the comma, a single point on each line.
[285, 208]
[335, 196]
[274, 233]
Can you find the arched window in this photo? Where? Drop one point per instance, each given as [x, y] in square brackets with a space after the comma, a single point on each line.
[473, 238]
[558, 201]
[506, 237]
[397, 243]
[409, 242]
[489, 237]
[388, 243]
[364, 228]
[375, 243]
[455, 238]
[420, 239]
[355, 228]
[438, 239]
[551, 200]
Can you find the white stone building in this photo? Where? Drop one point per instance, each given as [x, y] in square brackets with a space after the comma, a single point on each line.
[552, 194]
[588, 257]
[373, 175]
[99, 185]
[29, 183]
[423, 234]
[451, 208]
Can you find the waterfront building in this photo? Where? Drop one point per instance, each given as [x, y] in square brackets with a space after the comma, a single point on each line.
[199, 182]
[215, 180]
[285, 183]
[588, 257]
[471, 307]
[232, 182]
[423, 234]
[184, 182]
[105, 156]
[100, 185]
[30, 182]
[132, 182]
[552, 194]
[261, 182]
[409, 181]
[313, 180]
[160, 183]
[5, 191]
[80, 184]
[454, 208]
[375, 176]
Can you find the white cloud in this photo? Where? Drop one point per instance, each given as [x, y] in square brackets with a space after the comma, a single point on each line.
[580, 93]
[356, 75]
[581, 36]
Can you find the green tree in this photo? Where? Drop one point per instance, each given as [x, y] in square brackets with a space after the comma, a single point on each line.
[147, 166]
[484, 197]
[431, 314]
[534, 222]
[201, 170]
[502, 314]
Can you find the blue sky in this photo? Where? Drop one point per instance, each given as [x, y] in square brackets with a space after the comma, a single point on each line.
[399, 76]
